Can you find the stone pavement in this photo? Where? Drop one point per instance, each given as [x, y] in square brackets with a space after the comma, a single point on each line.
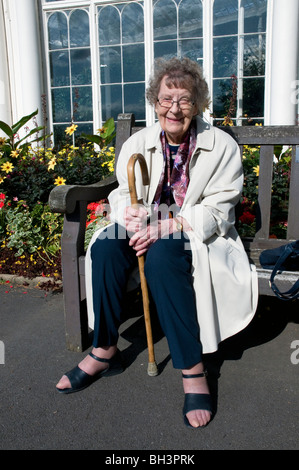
[254, 380]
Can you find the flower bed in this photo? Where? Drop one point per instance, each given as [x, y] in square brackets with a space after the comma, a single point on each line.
[29, 232]
[280, 192]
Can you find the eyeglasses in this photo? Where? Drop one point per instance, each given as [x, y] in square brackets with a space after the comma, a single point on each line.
[183, 103]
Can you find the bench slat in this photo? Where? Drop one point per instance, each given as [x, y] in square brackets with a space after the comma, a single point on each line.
[264, 191]
[293, 216]
[259, 135]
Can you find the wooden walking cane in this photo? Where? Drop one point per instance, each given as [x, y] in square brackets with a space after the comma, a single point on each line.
[152, 368]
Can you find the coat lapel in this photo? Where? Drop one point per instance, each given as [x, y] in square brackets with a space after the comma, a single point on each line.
[154, 159]
[201, 158]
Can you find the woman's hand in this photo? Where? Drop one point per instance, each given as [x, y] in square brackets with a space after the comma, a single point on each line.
[142, 240]
[135, 218]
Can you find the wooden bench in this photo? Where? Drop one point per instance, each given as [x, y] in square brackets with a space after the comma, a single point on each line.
[72, 202]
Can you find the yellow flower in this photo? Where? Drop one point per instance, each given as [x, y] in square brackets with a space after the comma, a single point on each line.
[2, 140]
[70, 130]
[227, 121]
[59, 181]
[2, 178]
[256, 170]
[14, 153]
[52, 163]
[110, 166]
[7, 167]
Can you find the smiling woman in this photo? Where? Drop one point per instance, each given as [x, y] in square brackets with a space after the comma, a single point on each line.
[178, 94]
[194, 257]
[174, 120]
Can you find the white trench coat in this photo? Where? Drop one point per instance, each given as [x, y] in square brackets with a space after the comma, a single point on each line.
[225, 284]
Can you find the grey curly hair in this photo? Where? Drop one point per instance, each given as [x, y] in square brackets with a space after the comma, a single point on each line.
[182, 73]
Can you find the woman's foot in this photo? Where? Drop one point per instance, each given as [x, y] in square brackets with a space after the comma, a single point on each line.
[196, 385]
[90, 365]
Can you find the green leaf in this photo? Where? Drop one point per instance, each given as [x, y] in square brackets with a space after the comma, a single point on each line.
[96, 139]
[108, 128]
[23, 121]
[107, 134]
[5, 128]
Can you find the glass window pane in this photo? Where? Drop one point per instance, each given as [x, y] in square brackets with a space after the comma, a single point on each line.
[255, 15]
[79, 28]
[80, 66]
[253, 97]
[225, 56]
[57, 31]
[110, 64]
[254, 55]
[59, 68]
[86, 128]
[61, 105]
[165, 20]
[132, 24]
[165, 49]
[192, 48]
[134, 100]
[109, 26]
[59, 133]
[225, 17]
[222, 93]
[190, 19]
[111, 101]
[82, 103]
[133, 63]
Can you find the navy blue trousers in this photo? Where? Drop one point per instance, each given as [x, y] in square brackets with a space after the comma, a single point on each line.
[168, 265]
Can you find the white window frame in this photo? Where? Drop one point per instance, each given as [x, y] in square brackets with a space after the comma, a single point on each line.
[240, 60]
[91, 6]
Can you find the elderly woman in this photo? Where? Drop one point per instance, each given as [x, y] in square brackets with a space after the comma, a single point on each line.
[197, 270]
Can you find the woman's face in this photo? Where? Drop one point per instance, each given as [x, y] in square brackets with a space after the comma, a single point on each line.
[174, 121]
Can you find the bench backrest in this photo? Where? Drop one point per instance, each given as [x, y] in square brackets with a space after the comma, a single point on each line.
[267, 137]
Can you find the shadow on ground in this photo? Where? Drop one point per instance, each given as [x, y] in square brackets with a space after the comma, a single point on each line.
[271, 318]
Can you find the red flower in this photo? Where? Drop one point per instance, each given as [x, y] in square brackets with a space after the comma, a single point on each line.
[2, 196]
[247, 218]
[92, 206]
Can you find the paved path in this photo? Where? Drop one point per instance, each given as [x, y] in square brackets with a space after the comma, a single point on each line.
[253, 378]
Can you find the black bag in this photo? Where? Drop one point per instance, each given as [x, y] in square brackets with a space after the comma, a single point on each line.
[282, 258]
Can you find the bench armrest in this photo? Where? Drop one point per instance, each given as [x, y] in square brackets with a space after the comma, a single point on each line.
[63, 199]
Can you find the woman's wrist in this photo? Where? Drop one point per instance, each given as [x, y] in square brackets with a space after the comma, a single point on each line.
[178, 225]
[181, 225]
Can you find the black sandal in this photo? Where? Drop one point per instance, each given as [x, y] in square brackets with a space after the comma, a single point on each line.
[80, 380]
[196, 401]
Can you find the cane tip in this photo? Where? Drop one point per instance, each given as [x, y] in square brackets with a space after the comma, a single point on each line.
[152, 369]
